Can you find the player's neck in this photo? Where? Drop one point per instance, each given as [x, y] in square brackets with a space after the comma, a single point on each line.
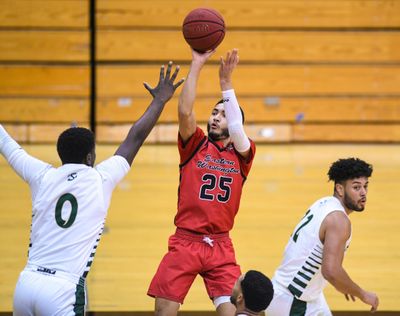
[226, 141]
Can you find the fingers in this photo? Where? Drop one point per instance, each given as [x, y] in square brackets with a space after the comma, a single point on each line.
[231, 59]
[374, 307]
[349, 296]
[175, 73]
[179, 83]
[162, 72]
[146, 85]
[167, 75]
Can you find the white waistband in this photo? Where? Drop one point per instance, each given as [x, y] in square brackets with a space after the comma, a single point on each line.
[74, 278]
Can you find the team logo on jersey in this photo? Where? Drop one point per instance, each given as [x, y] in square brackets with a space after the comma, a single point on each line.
[46, 270]
[220, 164]
[72, 176]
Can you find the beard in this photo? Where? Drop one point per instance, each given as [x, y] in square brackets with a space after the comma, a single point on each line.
[217, 136]
[351, 205]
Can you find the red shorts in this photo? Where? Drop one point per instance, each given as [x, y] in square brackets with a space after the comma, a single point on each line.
[189, 254]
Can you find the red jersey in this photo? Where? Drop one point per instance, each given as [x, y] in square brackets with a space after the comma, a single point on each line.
[211, 182]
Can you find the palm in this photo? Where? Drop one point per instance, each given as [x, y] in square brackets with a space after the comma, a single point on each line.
[165, 87]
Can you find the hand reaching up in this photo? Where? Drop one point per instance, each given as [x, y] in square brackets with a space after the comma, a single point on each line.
[165, 88]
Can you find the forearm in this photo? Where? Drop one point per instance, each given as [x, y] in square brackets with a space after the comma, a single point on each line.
[7, 144]
[26, 166]
[140, 130]
[188, 94]
[235, 121]
[343, 283]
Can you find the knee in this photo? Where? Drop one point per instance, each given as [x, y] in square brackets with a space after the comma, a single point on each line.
[164, 307]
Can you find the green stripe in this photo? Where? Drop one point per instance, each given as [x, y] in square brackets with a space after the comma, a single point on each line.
[295, 291]
[312, 266]
[314, 260]
[79, 306]
[298, 282]
[308, 270]
[305, 276]
[298, 308]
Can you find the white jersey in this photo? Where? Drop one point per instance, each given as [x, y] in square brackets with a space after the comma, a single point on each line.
[69, 208]
[300, 271]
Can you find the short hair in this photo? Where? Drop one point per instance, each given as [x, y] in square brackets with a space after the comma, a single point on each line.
[74, 144]
[241, 110]
[257, 290]
[350, 168]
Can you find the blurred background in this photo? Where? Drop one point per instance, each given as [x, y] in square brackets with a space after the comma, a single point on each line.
[318, 80]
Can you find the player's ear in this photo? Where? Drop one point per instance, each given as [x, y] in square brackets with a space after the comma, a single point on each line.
[89, 160]
[339, 188]
[239, 299]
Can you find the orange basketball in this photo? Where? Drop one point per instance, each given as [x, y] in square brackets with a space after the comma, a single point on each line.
[203, 29]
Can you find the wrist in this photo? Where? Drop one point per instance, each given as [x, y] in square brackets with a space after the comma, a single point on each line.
[225, 84]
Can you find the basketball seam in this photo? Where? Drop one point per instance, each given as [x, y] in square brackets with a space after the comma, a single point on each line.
[208, 34]
[211, 11]
[213, 43]
[208, 21]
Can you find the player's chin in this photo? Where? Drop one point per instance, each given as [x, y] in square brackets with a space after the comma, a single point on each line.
[360, 207]
[214, 135]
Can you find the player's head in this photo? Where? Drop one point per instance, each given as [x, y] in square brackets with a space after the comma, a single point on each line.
[76, 145]
[253, 291]
[351, 182]
[217, 126]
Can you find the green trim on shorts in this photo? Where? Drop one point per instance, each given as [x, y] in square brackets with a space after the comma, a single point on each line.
[298, 308]
[79, 306]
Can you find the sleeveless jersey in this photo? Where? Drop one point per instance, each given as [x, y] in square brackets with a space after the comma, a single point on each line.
[300, 271]
[211, 181]
[69, 208]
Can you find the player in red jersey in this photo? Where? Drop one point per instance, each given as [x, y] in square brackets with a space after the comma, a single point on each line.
[213, 170]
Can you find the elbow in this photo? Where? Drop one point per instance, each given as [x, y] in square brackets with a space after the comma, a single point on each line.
[329, 273]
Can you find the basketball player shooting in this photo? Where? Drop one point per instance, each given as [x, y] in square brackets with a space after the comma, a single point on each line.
[213, 170]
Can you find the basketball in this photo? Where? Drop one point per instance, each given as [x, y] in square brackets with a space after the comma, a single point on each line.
[203, 29]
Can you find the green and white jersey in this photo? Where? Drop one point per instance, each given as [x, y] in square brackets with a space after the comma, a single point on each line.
[69, 207]
[300, 270]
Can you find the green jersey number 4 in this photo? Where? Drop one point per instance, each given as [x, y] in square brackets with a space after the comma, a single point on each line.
[67, 197]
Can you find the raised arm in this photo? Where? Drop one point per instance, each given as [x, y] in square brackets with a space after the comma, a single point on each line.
[232, 109]
[29, 168]
[186, 117]
[335, 230]
[141, 129]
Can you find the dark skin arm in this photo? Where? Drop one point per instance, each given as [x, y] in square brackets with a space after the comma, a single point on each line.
[162, 93]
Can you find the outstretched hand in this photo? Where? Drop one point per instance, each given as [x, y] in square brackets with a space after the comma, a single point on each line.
[165, 88]
[226, 68]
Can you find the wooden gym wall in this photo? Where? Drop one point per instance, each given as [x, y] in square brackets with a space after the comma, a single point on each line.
[310, 71]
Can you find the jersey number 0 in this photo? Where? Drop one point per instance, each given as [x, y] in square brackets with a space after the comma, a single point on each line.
[74, 210]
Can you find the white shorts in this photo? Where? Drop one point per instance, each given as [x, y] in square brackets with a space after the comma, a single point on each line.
[285, 304]
[41, 294]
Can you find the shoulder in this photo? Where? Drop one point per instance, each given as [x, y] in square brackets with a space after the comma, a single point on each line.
[337, 223]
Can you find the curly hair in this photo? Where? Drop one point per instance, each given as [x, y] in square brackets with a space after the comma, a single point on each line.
[350, 168]
[257, 290]
[74, 144]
